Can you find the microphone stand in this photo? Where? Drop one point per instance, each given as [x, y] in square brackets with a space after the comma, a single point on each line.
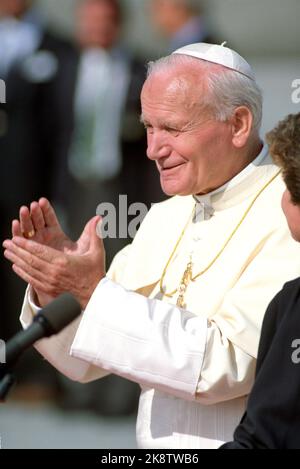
[7, 379]
[6, 383]
[49, 321]
[13, 353]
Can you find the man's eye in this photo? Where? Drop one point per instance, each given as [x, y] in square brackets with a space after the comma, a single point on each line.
[149, 128]
[173, 131]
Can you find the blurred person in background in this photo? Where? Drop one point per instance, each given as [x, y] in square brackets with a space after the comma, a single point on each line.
[108, 142]
[106, 156]
[182, 22]
[35, 132]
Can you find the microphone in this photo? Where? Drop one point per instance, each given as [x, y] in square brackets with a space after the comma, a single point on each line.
[50, 320]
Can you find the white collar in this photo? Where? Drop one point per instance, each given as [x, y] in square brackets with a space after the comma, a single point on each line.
[207, 201]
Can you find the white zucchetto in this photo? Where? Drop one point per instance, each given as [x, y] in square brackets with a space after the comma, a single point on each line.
[220, 55]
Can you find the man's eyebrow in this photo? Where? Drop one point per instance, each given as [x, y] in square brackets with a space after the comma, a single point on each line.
[162, 124]
[143, 120]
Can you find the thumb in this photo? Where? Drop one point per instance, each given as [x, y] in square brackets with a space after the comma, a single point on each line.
[96, 240]
[89, 234]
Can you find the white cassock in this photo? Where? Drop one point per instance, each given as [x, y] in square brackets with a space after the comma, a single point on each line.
[195, 365]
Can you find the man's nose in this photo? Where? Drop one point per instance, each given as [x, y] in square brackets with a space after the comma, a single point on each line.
[158, 146]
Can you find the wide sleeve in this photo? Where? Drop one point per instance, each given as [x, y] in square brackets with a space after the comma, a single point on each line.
[56, 349]
[141, 339]
[159, 345]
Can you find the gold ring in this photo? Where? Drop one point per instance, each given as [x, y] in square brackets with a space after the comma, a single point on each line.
[29, 235]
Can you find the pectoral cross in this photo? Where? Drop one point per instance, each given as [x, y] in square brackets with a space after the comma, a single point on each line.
[187, 277]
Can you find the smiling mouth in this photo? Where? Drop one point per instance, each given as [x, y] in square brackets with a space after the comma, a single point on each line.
[171, 167]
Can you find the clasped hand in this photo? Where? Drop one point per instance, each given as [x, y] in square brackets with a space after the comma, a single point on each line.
[50, 261]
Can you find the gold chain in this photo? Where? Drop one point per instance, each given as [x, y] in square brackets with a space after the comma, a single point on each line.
[188, 273]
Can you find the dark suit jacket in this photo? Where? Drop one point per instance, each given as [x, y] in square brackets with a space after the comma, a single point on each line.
[272, 418]
[39, 122]
[37, 132]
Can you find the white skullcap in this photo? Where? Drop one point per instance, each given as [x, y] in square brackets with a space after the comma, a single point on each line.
[218, 55]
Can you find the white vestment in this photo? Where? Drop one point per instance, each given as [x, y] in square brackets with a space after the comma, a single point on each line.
[195, 366]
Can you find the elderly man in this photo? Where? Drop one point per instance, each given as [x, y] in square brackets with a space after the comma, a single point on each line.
[180, 310]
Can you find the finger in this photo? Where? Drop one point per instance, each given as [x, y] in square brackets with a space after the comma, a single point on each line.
[48, 212]
[30, 251]
[27, 227]
[37, 216]
[36, 284]
[16, 228]
[30, 269]
[89, 233]
[95, 231]
[99, 228]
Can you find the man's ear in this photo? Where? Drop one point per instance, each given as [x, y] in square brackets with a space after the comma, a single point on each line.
[241, 122]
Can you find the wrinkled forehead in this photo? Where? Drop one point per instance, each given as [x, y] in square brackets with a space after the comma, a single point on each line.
[176, 85]
[167, 86]
[170, 102]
